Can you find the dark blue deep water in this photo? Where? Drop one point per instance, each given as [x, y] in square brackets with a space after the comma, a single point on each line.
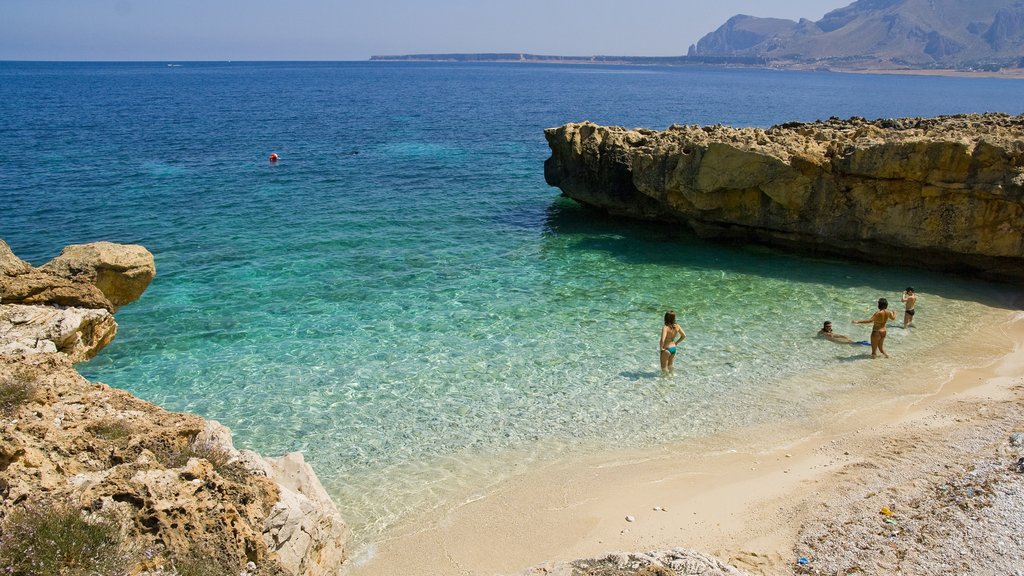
[402, 293]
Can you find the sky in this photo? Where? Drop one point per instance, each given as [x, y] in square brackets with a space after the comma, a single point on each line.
[164, 30]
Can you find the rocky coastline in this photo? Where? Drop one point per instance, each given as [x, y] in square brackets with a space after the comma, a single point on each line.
[944, 193]
[172, 486]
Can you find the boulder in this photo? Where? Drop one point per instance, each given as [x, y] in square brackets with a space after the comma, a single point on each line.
[120, 271]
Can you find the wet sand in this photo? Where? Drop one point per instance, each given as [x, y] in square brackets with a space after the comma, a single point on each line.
[762, 498]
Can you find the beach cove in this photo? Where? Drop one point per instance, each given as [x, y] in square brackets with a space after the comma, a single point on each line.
[404, 300]
[762, 498]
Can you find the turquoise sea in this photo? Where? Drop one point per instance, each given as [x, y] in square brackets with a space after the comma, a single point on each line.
[405, 300]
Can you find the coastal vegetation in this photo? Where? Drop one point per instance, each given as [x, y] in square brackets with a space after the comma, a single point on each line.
[40, 539]
[13, 393]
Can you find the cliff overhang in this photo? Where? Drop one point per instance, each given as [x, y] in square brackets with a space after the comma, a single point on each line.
[943, 193]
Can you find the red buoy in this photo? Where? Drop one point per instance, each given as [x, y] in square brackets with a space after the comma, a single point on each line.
[273, 157]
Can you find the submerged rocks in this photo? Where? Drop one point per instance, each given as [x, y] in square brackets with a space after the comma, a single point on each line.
[944, 193]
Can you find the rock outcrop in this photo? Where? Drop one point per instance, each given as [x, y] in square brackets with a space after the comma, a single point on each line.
[173, 483]
[120, 271]
[97, 275]
[944, 193]
[78, 333]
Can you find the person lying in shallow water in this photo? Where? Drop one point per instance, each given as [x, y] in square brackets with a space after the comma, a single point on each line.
[827, 333]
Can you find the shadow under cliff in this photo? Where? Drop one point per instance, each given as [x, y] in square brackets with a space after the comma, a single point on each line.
[656, 243]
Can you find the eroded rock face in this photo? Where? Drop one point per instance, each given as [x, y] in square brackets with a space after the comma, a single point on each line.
[120, 271]
[78, 333]
[98, 275]
[11, 265]
[179, 487]
[174, 482]
[944, 193]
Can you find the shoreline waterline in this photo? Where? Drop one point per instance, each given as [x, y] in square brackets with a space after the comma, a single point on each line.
[721, 495]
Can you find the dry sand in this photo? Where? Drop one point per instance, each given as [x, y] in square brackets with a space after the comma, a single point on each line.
[941, 462]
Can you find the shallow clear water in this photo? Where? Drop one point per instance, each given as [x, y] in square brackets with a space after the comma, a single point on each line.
[402, 297]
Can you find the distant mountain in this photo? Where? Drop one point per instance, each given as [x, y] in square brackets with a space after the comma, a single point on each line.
[882, 34]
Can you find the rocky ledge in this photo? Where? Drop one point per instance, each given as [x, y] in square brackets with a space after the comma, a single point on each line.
[172, 485]
[944, 193]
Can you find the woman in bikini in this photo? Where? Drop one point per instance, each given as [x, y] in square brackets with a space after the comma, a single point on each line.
[671, 335]
[878, 321]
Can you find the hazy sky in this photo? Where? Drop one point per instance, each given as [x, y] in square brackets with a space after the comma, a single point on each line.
[354, 30]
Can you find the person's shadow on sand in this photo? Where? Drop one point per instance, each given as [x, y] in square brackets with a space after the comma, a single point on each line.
[855, 357]
[637, 375]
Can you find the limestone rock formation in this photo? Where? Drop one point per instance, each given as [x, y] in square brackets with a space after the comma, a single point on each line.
[944, 193]
[179, 489]
[37, 287]
[121, 271]
[11, 265]
[79, 333]
[174, 483]
[97, 275]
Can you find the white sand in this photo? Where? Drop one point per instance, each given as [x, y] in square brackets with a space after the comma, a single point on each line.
[757, 498]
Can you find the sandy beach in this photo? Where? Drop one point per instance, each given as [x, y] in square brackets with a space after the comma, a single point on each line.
[923, 483]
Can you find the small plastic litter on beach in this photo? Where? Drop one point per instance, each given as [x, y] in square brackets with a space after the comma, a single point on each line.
[803, 560]
[886, 511]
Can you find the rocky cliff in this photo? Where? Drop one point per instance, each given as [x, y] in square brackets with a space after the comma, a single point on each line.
[172, 486]
[944, 193]
[882, 34]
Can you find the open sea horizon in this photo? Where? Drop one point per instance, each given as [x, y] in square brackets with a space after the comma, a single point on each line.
[405, 300]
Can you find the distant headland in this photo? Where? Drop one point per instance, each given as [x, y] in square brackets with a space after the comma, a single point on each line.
[539, 58]
[904, 36]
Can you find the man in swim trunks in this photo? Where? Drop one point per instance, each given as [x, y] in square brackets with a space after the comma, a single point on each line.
[671, 335]
[909, 300]
[878, 321]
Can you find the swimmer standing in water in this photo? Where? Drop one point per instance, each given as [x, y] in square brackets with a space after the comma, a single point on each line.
[671, 335]
[878, 321]
[909, 299]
